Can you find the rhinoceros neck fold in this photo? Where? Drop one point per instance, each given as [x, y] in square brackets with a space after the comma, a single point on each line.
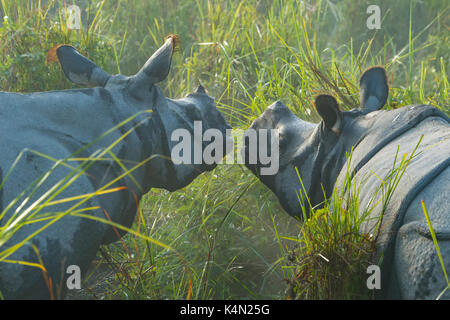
[326, 163]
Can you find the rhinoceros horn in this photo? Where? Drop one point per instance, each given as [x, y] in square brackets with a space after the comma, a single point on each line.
[373, 89]
[328, 109]
[80, 69]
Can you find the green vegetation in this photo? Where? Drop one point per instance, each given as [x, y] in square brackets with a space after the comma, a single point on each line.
[436, 245]
[231, 238]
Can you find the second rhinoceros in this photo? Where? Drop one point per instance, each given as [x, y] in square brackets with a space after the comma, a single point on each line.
[375, 139]
[93, 151]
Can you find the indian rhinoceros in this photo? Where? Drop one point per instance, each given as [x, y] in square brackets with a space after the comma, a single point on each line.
[123, 123]
[373, 139]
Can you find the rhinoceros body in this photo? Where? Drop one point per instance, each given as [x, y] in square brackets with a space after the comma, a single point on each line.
[377, 140]
[47, 137]
[410, 268]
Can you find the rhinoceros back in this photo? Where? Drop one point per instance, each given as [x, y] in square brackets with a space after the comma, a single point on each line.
[394, 135]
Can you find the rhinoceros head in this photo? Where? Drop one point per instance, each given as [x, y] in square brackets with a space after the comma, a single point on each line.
[312, 155]
[132, 94]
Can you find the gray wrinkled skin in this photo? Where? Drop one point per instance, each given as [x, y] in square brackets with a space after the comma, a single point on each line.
[410, 268]
[59, 124]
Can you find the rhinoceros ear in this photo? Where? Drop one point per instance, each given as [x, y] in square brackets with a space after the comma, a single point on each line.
[156, 68]
[373, 89]
[80, 69]
[328, 109]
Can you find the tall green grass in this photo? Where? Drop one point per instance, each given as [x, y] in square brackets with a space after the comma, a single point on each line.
[228, 228]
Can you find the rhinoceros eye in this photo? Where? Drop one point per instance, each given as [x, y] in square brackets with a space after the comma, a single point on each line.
[282, 139]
